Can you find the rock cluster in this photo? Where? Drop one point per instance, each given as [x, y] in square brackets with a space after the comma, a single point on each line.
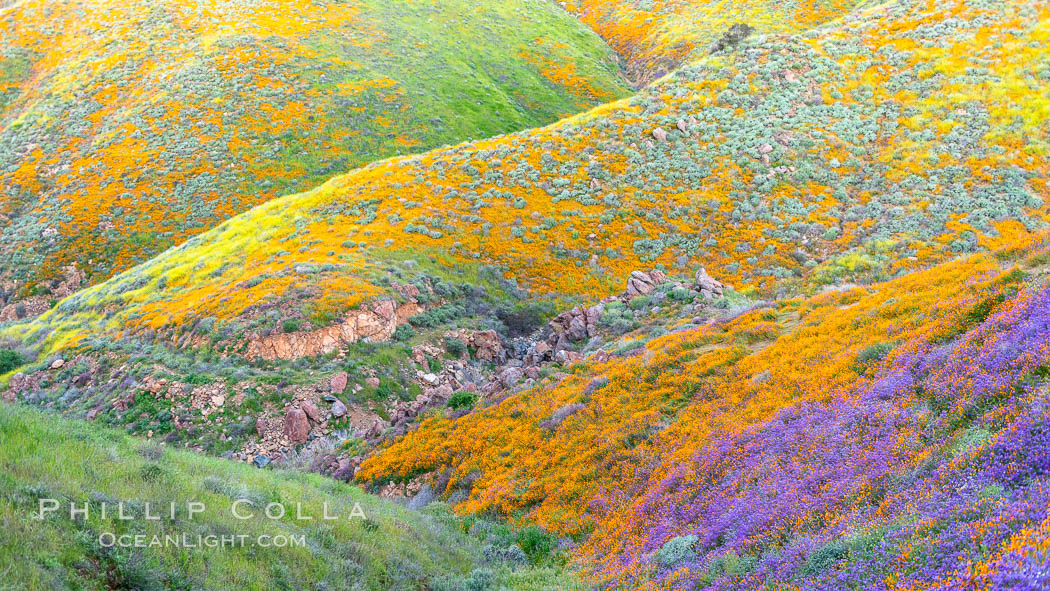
[374, 323]
[708, 287]
[70, 282]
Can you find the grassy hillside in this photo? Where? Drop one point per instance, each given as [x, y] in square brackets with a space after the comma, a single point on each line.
[127, 127]
[848, 153]
[865, 407]
[391, 548]
[655, 37]
[889, 437]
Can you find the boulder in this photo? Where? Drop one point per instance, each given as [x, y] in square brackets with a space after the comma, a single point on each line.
[640, 283]
[311, 410]
[708, 286]
[296, 425]
[338, 382]
[338, 409]
[487, 346]
[541, 350]
[510, 376]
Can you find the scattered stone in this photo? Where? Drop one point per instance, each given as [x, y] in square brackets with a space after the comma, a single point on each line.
[58, 363]
[338, 409]
[261, 461]
[660, 134]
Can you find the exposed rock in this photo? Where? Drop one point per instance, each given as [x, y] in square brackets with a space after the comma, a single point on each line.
[660, 134]
[311, 410]
[541, 350]
[338, 409]
[640, 283]
[376, 323]
[261, 461]
[372, 382]
[439, 394]
[487, 345]
[708, 286]
[338, 383]
[511, 376]
[296, 425]
[57, 364]
[71, 281]
[732, 37]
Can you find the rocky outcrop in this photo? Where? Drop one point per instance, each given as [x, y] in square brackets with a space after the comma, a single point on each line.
[486, 344]
[431, 397]
[71, 281]
[375, 323]
[707, 285]
[642, 283]
[733, 37]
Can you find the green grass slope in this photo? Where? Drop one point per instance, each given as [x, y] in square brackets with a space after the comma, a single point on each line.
[127, 127]
[392, 548]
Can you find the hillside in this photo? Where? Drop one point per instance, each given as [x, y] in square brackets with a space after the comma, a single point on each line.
[655, 37]
[72, 462]
[128, 127]
[883, 437]
[777, 320]
[852, 153]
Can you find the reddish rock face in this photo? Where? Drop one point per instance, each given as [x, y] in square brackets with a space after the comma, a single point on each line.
[311, 410]
[296, 425]
[488, 345]
[372, 324]
[338, 383]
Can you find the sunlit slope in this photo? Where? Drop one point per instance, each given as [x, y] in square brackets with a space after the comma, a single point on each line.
[655, 36]
[127, 127]
[846, 154]
[888, 437]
